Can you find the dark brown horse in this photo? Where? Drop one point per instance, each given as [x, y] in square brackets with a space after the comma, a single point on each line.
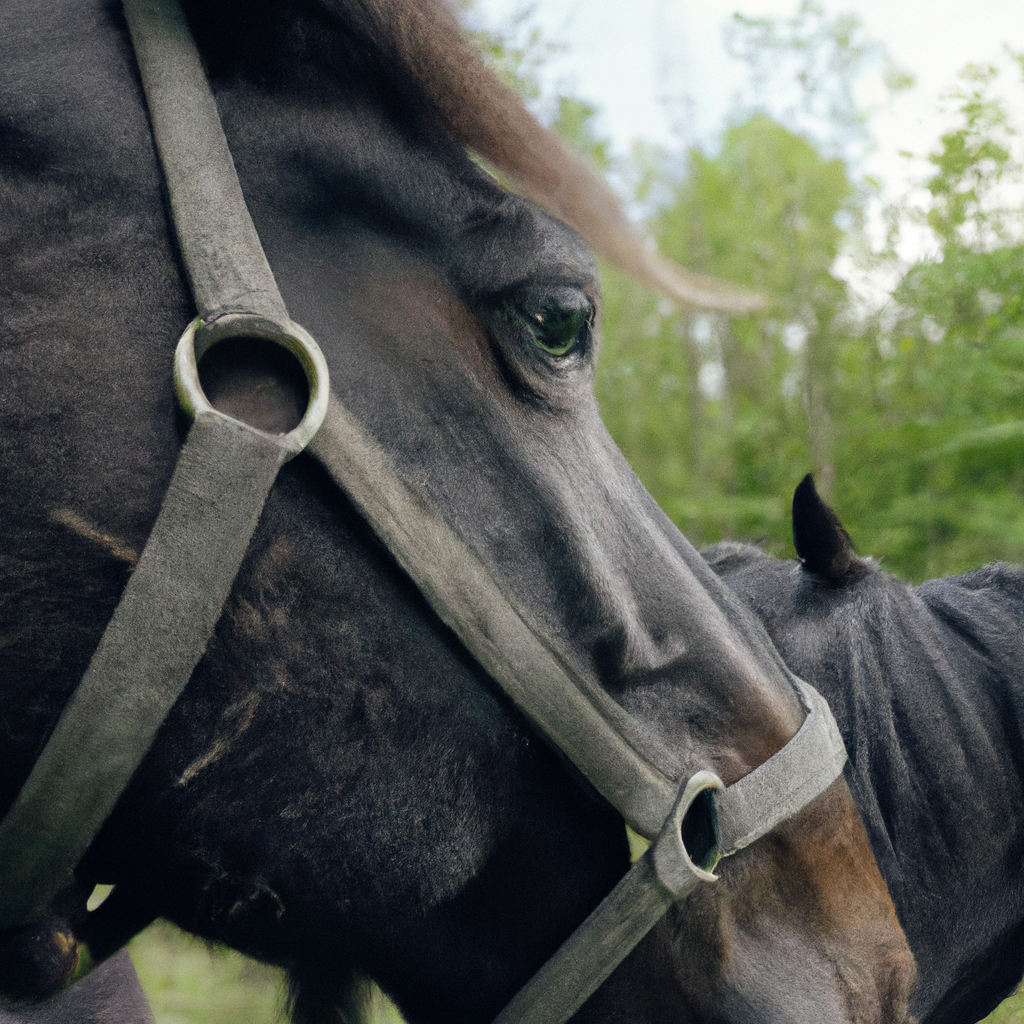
[341, 789]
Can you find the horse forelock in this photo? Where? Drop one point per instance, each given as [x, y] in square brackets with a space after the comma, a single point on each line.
[434, 83]
[470, 102]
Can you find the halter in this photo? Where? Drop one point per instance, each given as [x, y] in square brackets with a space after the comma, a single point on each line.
[175, 596]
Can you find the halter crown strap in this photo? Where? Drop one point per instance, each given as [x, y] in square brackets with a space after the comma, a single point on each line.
[226, 265]
[168, 611]
[171, 605]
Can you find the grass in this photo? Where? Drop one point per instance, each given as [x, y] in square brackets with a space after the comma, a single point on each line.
[1009, 1012]
[189, 982]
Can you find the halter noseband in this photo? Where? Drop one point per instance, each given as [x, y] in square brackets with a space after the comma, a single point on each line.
[174, 598]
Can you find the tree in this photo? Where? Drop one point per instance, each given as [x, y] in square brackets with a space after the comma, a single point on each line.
[742, 409]
[804, 71]
[947, 427]
[911, 414]
[737, 409]
[968, 210]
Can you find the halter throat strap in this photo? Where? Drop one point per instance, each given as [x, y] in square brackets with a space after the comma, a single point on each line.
[190, 561]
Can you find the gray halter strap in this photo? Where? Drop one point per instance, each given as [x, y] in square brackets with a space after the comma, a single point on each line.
[170, 607]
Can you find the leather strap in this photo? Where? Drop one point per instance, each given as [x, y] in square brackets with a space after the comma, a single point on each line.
[158, 633]
[223, 256]
[579, 718]
[788, 781]
[664, 875]
[175, 596]
[748, 809]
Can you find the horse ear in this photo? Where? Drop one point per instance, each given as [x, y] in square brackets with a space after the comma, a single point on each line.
[822, 544]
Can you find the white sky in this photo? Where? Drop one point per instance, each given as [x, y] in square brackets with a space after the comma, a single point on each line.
[625, 56]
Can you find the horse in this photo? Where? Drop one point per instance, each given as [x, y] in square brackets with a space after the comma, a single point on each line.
[341, 789]
[927, 687]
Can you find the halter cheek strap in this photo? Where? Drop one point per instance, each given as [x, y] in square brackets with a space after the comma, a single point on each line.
[170, 607]
[668, 873]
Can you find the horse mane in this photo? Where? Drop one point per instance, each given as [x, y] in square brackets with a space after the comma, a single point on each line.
[485, 115]
[730, 556]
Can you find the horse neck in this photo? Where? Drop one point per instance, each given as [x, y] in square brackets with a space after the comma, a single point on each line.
[930, 700]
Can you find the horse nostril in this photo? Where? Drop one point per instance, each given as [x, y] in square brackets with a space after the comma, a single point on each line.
[256, 381]
[699, 831]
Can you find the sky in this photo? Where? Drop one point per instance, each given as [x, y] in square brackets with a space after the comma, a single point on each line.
[628, 56]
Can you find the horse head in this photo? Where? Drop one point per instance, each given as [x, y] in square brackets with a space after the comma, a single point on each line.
[341, 789]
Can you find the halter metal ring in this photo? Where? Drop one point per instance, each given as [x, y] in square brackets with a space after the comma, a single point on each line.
[198, 338]
[673, 865]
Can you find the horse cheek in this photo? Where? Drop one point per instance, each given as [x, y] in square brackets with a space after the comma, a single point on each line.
[875, 967]
[827, 890]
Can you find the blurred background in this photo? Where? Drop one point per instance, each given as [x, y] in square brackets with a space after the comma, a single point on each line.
[860, 164]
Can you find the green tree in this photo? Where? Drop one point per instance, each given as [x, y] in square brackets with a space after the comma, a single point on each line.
[945, 429]
[973, 162]
[911, 416]
[804, 71]
[516, 50]
[736, 411]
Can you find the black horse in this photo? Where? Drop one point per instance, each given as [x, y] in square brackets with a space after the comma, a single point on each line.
[927, 685]
[341, 789]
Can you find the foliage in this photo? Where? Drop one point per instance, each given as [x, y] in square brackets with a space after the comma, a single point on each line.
[947, 422]
[736, 410]
[908, 415]
[189, 982]
[975, 158]
[911, 416]
[516, 50]
[573, 121]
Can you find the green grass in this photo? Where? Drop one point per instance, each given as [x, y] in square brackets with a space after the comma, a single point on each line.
[1009, 1012]
[189, 982]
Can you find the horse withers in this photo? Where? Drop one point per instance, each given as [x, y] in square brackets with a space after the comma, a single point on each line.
[341, 789]
[927, 685]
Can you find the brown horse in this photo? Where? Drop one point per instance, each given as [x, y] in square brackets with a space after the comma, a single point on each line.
[341, 789]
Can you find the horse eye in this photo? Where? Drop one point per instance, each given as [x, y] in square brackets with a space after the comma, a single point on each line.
[558, 330]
